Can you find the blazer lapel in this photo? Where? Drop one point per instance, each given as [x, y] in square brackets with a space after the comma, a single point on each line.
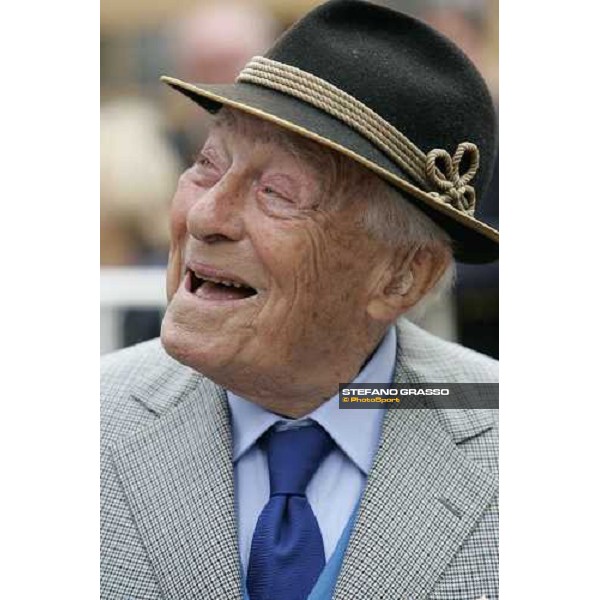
[423, 498]
[177, 476]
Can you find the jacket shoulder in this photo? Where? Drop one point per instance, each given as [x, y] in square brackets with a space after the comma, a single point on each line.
[137, 384]
[123, 371]
[432, 359]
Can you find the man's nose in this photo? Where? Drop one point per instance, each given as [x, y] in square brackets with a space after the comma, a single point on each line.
[217, 213]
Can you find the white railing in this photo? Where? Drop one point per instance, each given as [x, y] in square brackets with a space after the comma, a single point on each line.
[127, 287]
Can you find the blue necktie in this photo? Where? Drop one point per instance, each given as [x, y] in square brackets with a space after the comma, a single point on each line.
[287, 555]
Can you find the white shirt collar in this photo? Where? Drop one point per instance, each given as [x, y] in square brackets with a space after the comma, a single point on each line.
[355, 431]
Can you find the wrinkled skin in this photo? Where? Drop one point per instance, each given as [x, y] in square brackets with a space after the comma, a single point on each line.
[249, 207]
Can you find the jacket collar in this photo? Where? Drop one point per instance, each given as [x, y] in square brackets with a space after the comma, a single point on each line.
[177, 476]
[418, 361]
[423, 496]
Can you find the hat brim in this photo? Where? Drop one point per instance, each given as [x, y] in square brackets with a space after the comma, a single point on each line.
[474, 241]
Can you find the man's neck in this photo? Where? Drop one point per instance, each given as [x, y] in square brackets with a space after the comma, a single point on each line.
[296, 398]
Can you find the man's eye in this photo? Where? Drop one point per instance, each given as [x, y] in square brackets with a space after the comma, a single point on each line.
[204, 171]
[267, 190]
[204, 162]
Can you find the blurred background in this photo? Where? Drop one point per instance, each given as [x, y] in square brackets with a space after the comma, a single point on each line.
[149, 135]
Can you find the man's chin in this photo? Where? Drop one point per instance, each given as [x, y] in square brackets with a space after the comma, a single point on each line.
[172, 341]
[207, 352]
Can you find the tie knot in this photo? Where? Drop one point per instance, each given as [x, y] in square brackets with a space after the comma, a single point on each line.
[294, 456]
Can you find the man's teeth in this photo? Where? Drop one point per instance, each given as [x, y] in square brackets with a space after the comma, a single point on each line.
[220, 281]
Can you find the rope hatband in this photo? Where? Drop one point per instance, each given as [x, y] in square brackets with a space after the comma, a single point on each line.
[449, 186]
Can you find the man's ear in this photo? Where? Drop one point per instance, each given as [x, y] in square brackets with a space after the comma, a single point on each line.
[410, 276]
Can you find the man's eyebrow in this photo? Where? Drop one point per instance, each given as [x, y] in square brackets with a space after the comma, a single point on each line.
[266, 134]
[223, 118]
[200, 149]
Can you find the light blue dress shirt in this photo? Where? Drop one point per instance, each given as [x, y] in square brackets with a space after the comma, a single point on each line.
[338, 483]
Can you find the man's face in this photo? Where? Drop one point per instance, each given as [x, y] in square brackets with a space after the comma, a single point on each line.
[266, 288]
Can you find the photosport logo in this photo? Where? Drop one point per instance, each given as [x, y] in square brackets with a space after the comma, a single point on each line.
[423, 395]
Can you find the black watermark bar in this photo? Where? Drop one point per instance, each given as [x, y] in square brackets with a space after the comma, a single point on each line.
[421, 395]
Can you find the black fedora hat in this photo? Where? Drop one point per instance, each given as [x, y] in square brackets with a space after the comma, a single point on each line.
[391, 93]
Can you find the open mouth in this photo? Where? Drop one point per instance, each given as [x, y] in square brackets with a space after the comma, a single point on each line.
[212, 288]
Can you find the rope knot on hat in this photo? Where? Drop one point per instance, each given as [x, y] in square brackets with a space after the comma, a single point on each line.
[443, 172]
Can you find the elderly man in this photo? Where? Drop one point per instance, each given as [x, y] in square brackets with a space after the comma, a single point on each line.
[338, 182]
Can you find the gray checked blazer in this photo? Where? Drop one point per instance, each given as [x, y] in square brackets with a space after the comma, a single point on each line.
[427, 526]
